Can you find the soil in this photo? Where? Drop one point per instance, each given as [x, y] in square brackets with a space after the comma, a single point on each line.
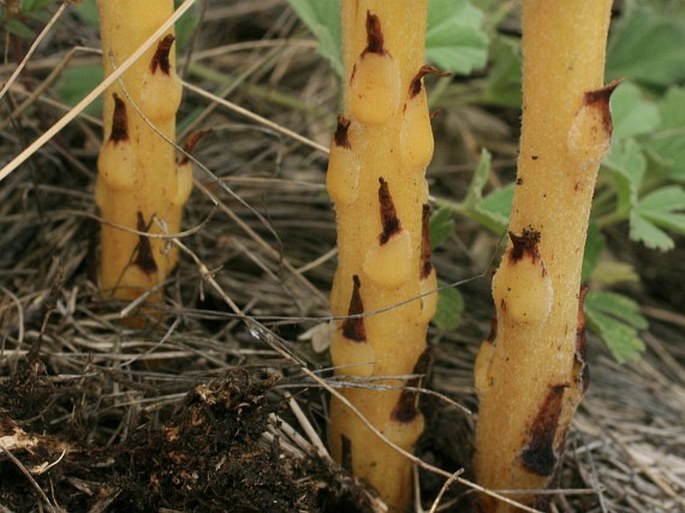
[207, 409]
[210, 454]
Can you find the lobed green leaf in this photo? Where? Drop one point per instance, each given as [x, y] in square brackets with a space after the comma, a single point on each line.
[631, 114]
[647, 47]
[643, 230]
[454, 39]
[668, 142]
[663, 208]
[616, 319]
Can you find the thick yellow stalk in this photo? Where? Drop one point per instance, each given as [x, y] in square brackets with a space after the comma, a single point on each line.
[530, 373]
[381, 148]
[138, 181]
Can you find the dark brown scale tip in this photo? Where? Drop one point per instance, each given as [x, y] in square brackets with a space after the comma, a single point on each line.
[144, 259]
[422, 364]
[426, 265]
[581, 340]
[526, 244]
[190, 143]
[341, 137]
[353, 327]
[539, 455]
[160, 60]
[493, 330]
[389, 220]
[346, 453]
[374, 35]
[602, 94]
[599, 99]
[119, 120]
[416, 83]
[406, 408]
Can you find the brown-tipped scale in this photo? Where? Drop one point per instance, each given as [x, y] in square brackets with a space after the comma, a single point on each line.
[530, 374]
[139, 186]
[375, 177]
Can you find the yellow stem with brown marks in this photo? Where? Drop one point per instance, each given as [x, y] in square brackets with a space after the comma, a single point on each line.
[138, 184]
[530, 373]
[376, 178]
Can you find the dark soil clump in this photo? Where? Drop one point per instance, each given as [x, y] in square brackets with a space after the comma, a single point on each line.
[210, 455]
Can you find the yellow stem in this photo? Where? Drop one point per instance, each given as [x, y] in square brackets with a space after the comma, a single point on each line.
[138, 183]
[378, 157]
[530, 373]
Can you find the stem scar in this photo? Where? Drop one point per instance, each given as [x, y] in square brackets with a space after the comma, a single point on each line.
[190, 143]
[353, 327]
[416, 83]
[374, 35]
[389, 220]
[406, 408]
[341, 136]
[526, 244]
[539, 456]
[161, 57]
[144, 259]
[119, 120]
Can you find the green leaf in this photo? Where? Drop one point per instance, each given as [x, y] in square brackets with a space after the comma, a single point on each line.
[454, 40]
[16, 27]
[594, 245]
[647, 47]
[627, 159]
[642, 230]
[494, 211]
[33, 5]
[76, 82]
[322, 17]
[442, 225]
[41, 16]
[474, 194]
[450, 308]
[503, 84]
[616, 319]
[186, 26]
[88, 12]
[663, 208]
[631, 114]
[629, 164]
[612, 273]
[668, 142]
